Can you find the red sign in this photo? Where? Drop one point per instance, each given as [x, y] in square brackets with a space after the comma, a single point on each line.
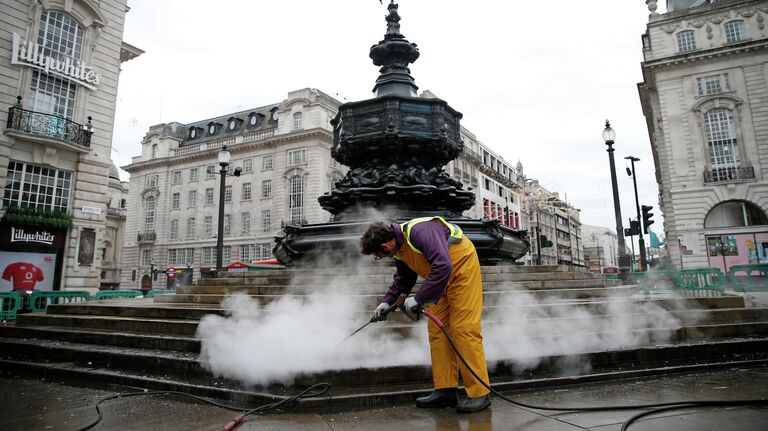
[170, 272]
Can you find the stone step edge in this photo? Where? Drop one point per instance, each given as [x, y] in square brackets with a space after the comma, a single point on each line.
[395, 324]
[342, 402]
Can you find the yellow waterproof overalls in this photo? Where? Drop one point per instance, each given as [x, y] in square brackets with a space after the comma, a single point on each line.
[459, 308]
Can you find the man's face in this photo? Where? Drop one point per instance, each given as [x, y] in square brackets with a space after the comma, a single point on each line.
[390, 249]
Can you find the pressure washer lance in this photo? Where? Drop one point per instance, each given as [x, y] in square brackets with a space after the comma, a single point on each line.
[393, 307]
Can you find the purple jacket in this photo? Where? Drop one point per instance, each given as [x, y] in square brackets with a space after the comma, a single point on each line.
[430, 238]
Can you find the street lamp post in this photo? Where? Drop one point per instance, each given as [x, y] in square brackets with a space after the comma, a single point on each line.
[224, 163]
[608, 136]
[640, 240]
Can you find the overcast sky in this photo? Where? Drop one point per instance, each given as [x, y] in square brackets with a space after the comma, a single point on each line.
[534, 80]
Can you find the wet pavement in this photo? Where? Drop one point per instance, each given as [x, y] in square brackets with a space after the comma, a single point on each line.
[31, 403]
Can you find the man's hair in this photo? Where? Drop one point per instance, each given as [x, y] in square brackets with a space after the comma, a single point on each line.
[377, 234]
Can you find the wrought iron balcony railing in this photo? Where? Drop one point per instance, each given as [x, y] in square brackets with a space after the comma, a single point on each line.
[49, 126]
[729, 174]
[147, 237]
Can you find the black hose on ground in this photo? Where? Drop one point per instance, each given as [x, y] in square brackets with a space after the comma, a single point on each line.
[657, 407]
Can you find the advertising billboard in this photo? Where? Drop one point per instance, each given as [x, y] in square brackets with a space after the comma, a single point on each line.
[27, 271]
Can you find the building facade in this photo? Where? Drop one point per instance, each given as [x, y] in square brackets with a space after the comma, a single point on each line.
[282, 153]
[59, 69]
[705, 98]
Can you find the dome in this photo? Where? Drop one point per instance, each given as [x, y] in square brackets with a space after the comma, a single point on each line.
[113, 172]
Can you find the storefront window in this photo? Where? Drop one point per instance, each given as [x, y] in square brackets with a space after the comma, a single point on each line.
[29, 185]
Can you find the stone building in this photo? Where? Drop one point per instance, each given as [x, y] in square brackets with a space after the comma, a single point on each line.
[59, 69]
[705, 99]
[283, 155]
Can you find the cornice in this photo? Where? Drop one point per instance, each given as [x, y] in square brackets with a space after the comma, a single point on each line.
[706, 54]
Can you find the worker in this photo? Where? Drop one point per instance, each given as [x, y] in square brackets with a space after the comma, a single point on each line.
[452, 290]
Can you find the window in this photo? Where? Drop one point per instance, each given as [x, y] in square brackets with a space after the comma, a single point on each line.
[266, 188]
[296, 199]
[209, 196]
[245, 223]
[210, 171]
[60, 37]
[172, 256]
[262, 251]
[193, 175]
[208, 253]
[154, 151]
[246, 191]
[248, 165]
[721, 138]
[176, 201]
[686, 41]
[226, 254]
[146, 257]
[713, 84]
[149, 214]
[735, 213]
[191, 228]
[192, 199]
[296, 157]
[297, 120]
[151, 181]
[266, 162]
[228, 193]
[227, 224]
[266, 220]
[29, 185]
[245, 253]
[174, 234]
[208, 226]
[176, 177]
[734, 31]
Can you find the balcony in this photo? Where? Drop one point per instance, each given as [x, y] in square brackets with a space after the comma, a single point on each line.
[146, 238]
[723, 175]
[48, 128]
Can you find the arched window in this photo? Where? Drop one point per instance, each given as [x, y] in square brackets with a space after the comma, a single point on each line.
[296, 199]
[734, 214]
[149, 215]
[297, 121]
[60, 37]
[734, 31]
[721, 139]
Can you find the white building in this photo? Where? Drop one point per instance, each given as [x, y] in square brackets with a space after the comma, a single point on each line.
[705, 99]
[59, 69]
[600, 246]
[283, 152]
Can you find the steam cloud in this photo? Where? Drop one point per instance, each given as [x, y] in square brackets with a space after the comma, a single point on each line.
[301, 334]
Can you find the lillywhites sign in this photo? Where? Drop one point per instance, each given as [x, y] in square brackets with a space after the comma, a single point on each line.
[19, 235]
[31, 54]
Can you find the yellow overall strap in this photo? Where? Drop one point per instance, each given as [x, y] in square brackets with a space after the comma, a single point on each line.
[455, 232]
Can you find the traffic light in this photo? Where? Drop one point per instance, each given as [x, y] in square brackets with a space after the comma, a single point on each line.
[545, 242]
[647, 214]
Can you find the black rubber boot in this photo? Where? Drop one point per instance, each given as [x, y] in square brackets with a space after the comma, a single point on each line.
[438, 398]
[471, 405]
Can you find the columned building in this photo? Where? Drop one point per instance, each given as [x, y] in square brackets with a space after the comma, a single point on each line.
[705, 99]
[59, 69]
[280, 163]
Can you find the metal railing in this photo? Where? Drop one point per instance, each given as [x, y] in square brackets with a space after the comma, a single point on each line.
[146, 237]
[729, 174]
[49, 126]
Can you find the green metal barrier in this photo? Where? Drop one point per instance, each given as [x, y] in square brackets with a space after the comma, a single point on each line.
[10, 304]
[658, 279]
[754, 278]
[40, 300]
[153, 292]
[704, 279]
[111, 294]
